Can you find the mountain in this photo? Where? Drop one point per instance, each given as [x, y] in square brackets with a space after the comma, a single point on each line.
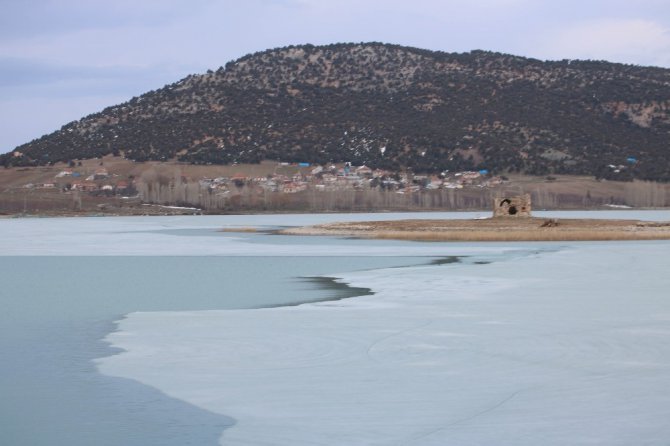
[390, 106]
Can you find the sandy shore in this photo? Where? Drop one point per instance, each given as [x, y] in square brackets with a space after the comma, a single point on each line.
[494, 229]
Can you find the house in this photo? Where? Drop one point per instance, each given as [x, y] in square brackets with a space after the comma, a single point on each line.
[292, 188]
[84, 186]
[329, 178]
[100, 174]
[363, 170]
[297, 178]
[434, 183]
[64, 173]
[122, 186]
[239, 180]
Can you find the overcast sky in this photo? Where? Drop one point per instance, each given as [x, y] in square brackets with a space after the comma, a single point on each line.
[63, 59]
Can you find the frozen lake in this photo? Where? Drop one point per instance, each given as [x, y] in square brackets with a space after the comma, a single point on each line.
[516, 343]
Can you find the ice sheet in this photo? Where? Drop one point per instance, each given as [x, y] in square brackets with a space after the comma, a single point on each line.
[150, 236]
[147, 236]
[568, 347]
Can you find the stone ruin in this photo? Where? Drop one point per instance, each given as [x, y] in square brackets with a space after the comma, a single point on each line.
[518, 206]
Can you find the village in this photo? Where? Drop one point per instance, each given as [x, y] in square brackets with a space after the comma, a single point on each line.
[100, 182]
[287, 178]
[116, 186]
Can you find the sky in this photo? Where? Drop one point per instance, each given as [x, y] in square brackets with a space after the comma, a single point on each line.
[63, 59]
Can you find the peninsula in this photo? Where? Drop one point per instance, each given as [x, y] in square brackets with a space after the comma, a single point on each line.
[498, 229]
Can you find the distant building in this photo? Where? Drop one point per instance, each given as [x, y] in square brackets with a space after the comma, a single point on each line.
[100, 174]
[121, 186]
[64, 173]
[363, 170]
[85, 186]
[515, 206]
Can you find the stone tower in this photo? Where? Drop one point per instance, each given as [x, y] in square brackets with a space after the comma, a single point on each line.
[518, 206]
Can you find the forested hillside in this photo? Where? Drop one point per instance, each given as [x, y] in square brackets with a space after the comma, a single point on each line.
[392, 107]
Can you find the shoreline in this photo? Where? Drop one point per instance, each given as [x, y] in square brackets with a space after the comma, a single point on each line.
[84, 214]
[502, 229]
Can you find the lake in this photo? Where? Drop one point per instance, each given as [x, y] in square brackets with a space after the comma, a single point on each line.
[212, 345]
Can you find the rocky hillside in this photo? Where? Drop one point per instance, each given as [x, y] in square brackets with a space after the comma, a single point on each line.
[391, 107]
